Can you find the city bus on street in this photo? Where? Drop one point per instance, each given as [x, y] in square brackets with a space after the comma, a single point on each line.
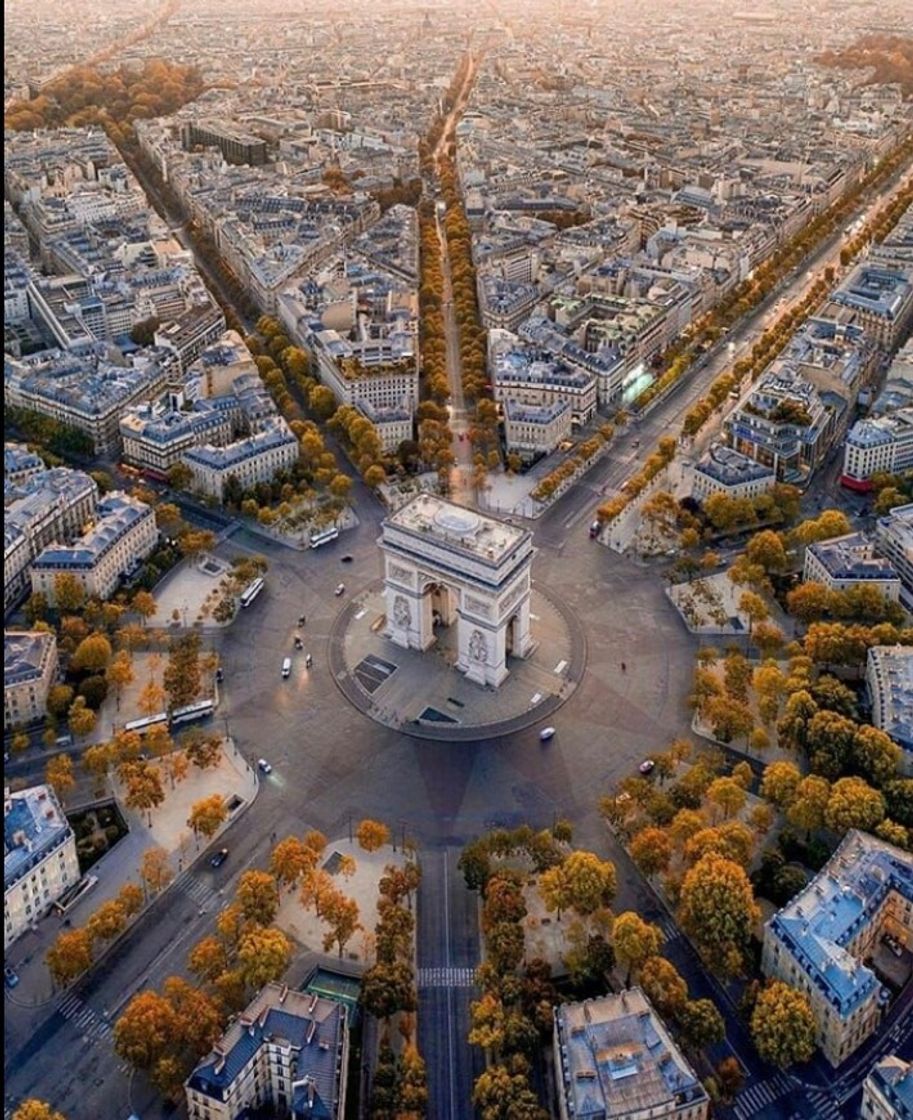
[252, 591]
[202, 709]
[324, 537]
[146, 723]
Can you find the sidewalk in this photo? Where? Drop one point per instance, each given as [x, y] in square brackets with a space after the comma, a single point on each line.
[27, 1004]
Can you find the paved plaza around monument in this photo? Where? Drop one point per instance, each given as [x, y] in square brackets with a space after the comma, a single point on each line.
[425, 694]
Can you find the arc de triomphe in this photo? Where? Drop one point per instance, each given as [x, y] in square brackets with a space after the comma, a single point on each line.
[445, 564]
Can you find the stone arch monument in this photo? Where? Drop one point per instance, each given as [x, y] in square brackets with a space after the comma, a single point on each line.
[446, 565]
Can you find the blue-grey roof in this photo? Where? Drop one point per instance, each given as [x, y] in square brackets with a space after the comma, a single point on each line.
[24, 655]
[617, 1059]
[825, 917]
[313, 1027]
[118, 514]
[730, 467]
[852, 558]
[881, 291]
[33, 826]
[894, 1080]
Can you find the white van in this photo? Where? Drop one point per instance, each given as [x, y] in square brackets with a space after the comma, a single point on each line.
[286, 668]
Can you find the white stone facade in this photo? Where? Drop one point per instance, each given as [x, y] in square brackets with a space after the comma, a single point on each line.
[40, 861]
[446, 565]
[29, 671]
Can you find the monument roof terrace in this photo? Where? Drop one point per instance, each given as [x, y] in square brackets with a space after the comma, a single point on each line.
[459, 529]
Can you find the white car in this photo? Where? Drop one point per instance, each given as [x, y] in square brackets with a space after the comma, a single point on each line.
[546, 733]
[264, 766]
[340, 590]
[647, 766]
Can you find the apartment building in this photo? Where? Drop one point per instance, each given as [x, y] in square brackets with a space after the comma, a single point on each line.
[236, 145]
[256, 458]
[878, 445]
[287, 1051]
[894, 541]
[189, 334]
[393, 424]
[123, 535]
[889, 679]
[19, 463]
[850, 561]
[49, 505]
[788, 424]
[505, 303]
[29, 671]
[615, 1059]
[819, 941]
[725, 471]
[887, 1093]
[878, 297]
[215, 371]
[87, 388]
[532, 431]
[39, 861]
[155, 437]
[534, 378]
[361, 333]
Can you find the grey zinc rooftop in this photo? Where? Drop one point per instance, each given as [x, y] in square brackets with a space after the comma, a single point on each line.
[33, 825]
[24, 653]
[826, 916]
[312, 1026]
[617, 1059]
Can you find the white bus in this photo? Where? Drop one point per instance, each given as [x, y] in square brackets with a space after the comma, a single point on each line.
[324, 537]
[141, 726]
[252, 591]
[202, 709]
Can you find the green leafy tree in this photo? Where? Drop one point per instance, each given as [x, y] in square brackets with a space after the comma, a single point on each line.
[701, 1023]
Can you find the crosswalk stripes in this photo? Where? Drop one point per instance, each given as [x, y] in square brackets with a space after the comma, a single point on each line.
[446, 977]
[669, 928]
[751, 1100]
[84, 1018]
[825, 1106]
[201, 893]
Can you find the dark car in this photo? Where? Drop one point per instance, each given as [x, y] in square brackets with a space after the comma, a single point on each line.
[347, 560]
[301, 620]
[219, 858]
[220, 675]
[298, 643]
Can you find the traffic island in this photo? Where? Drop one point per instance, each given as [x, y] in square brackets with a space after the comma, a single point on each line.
[424, 694]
